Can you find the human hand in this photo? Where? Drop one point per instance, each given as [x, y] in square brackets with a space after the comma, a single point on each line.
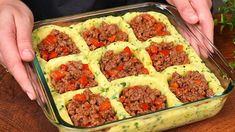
[197, 12]
[16, 22]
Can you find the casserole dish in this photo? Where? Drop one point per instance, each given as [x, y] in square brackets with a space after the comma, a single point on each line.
[211, 64]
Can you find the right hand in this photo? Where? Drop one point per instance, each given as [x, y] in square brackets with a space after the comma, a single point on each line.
[16, 23]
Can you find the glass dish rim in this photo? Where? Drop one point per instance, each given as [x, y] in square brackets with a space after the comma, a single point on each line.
[100, 12]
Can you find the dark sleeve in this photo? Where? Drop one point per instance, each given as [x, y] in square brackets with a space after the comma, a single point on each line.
[44, 9]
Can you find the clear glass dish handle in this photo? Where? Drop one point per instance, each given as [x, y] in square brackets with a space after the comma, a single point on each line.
[41, 98]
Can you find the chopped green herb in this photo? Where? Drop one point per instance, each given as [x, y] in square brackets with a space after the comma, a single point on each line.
[158, 118]
[61, 107]
[104, 89]
[136, 124]
[86, 57]
[96, 73]
[123, 84]
[114, 96]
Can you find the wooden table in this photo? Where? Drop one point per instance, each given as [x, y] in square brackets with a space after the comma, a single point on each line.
[18, 113]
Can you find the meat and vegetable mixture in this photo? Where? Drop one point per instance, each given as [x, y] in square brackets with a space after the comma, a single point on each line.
[138, 100]
[121, 65]
[57, 44]
[166, 54]
[145, 26]
[71, 76]
[191, 87]
[103, 35]
[88, 109]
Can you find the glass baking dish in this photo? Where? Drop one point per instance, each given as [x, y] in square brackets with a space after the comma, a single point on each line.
[157, 121]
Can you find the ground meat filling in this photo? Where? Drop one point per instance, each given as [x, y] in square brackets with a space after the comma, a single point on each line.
[120, 65]
[138, 100]
[88, 109]
[103, 35]
[72, 76]
[166, 54]
[57, 44]
[191, 87]
[145, 26]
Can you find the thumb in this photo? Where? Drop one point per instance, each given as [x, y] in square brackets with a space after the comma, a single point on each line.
[186, 10]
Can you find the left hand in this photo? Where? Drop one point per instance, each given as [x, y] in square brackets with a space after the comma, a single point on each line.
[197, 12]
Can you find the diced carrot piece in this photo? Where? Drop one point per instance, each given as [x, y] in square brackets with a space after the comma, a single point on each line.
[96, 43]
[53, 55]
[80, 97]
[198, 81]
[112, 73]
[83, 80]
[71, 86]
[152, 57]
[174, 85]
[127, 50]
[158, 102]
[112, 38]
[63, 67]
[149, 51]
[45, 55]
[179, 48]
[50, 39]
[65, 50]
[159, 27]
[145, 71]
[122, 99]
[87, 106]
[144, 106]
[153, 49]
[85, 67]
[85, 33]
[57, 75]
[120, 67]
[106, 105]
[165, 52]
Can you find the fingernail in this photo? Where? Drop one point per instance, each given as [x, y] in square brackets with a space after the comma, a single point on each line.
[193, 17]
[30, 95]
[28, 53]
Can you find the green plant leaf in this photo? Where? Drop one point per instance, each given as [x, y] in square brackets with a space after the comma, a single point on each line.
[222, 19]
[222, 28]
[230, 25]
[216, 22]
[225, 1]
[232, 65]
